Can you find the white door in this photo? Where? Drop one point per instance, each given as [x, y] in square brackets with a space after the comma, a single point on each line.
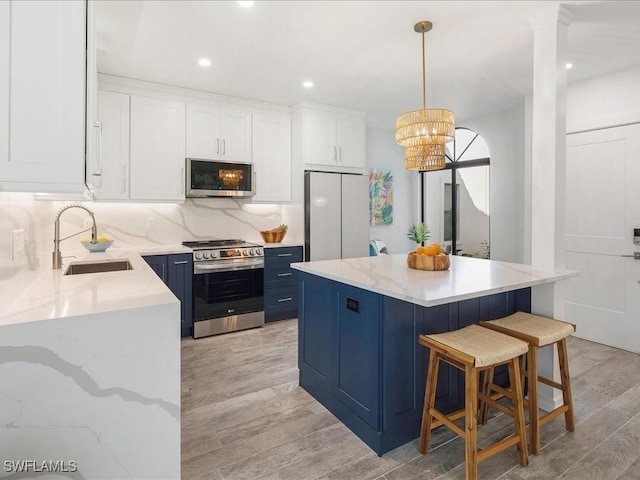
[350, 140]
[320, 138]
[113, 112]
[47, 95]
[603, 208]
[235, 132]
[157, 149]
[203, 132]
[5, 61]
[271, 138]
[355, 216]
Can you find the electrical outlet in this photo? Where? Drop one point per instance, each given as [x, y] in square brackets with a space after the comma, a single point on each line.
[152, 224]
[17, 244]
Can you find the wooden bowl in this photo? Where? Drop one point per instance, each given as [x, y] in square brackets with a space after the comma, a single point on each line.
[272, 237]
[426, 262]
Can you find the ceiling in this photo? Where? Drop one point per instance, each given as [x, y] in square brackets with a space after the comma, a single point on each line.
[362, 55]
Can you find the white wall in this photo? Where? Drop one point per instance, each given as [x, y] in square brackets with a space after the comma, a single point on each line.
[604, 101]
[504, 133]
[383, 152]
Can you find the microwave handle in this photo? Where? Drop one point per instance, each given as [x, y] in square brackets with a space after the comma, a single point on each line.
[184, 180]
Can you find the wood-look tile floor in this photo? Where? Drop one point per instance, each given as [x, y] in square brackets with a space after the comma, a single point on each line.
[245, 417]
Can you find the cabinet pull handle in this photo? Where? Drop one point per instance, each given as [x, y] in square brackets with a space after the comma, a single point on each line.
[181, 263]
[285, 254]
[124, 179]
[284, 274]
[98, 172]
[224, 146]
[217, 145]
[335, 153]
[288, 299]
[340, 154]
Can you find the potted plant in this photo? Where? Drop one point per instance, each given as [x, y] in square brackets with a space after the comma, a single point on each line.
[419, 233]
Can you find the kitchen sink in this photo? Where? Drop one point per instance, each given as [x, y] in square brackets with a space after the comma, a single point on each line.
[78, 268]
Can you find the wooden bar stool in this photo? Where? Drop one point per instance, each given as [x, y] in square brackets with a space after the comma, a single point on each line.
[474, 349]
[538, 332]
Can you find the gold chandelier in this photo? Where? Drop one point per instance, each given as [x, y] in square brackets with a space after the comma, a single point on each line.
[425, 132]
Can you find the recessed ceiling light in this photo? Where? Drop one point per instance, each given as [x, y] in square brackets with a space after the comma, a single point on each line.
[307, 84]
[569, 66]
[204, 62]
[245, 4]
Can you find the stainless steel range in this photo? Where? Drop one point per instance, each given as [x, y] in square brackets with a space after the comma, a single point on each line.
[228, 286]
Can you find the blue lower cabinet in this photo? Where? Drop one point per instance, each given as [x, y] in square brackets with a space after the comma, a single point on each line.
[358, 355]
[281, 283]
[176, 271]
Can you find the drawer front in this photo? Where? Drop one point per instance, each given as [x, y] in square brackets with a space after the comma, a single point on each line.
[282, 254]
[280, 275]
[280, 299]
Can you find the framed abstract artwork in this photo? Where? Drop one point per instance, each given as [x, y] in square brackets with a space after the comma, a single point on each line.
[380, 197]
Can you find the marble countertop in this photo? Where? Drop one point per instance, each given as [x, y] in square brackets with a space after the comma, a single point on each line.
[283, 244]
[466, 278]
[45, 294]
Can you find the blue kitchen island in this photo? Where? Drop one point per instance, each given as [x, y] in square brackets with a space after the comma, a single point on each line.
[359, 321]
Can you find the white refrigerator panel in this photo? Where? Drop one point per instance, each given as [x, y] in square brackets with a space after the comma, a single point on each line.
[324, 216]
[355, 216]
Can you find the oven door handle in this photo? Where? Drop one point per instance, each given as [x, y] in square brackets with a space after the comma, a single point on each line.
[201, 269]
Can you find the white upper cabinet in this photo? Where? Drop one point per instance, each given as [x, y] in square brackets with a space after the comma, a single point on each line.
[218, 132]
[5, 60]
[110, 173]
[320, 138]
[42, 85]
[157, 163]
[271, 146]
[332, 140]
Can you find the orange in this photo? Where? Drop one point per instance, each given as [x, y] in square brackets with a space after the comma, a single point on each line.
[437, 247]
[430, 251]
[420, 250]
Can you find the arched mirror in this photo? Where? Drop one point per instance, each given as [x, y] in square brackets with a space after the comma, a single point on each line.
[456, 199]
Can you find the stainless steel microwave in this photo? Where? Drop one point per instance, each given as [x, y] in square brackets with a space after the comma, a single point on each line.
[215, 178]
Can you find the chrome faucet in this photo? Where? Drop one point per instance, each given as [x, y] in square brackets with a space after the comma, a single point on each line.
[57, 255]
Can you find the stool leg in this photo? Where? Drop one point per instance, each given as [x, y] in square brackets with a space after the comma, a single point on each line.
[534, 416]
[567, 396]
[471, 423]
[429, 401]
[518, 410]
[487, 380]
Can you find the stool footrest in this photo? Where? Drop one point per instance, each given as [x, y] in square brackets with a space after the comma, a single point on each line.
[442, 419]
[507, 442]
[494, 403]
[549, 382]
[547, 417]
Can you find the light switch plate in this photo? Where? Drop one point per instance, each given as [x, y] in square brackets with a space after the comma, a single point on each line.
[17, 244]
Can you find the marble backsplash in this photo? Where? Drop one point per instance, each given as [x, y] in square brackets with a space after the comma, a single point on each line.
[134, 224]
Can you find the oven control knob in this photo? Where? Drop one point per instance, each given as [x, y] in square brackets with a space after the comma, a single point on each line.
[206, 255]
[252, 251]
[245, 252]
[198, 255]
[215, 254]
[258, 251]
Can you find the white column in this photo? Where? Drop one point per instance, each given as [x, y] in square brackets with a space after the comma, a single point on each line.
[548, 175]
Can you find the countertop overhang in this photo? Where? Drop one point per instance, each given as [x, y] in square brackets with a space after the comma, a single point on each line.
[466, 278]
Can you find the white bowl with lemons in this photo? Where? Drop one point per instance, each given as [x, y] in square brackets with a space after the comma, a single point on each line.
[102, 243]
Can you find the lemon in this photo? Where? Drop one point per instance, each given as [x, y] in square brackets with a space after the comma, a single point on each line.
[102, 239]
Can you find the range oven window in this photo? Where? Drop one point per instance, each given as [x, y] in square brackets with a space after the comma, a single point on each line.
[219, 294]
